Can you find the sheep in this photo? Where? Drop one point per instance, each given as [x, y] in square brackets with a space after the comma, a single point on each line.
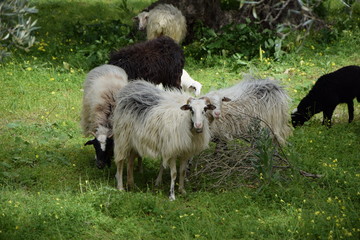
[163, 20]
[331, 89]
[236, 106]
[160, 60]
[150, 122]
[189, 84]
[100, 87]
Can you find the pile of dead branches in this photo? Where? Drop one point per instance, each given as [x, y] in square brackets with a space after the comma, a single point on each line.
[246, 161]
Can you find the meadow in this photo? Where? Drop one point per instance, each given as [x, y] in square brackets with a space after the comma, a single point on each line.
[50, 187]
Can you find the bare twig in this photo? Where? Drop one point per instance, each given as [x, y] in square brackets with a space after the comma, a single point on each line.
[306, 174]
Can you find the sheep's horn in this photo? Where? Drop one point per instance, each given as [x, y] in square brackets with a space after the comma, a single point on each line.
[207, 100]
[189, 100]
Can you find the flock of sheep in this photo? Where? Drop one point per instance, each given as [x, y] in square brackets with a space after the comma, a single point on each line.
[144, 104]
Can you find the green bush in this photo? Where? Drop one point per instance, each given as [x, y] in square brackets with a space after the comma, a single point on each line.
[241, 39]
[16, 27]
[101, 38]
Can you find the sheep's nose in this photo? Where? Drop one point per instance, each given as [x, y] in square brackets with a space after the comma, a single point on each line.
[217, 114]
[198, 125]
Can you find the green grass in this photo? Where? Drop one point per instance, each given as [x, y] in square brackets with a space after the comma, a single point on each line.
[51, 189]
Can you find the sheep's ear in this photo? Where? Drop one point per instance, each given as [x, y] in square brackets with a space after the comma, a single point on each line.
[210, 107]
[226, 99]
[136, 18]
[192, 87]
[90, 142]
[185, 107]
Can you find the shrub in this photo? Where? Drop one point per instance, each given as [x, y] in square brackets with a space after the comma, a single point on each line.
[16, 28]
[240, 39]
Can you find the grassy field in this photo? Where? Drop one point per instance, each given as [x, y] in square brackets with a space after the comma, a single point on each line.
[51, 189]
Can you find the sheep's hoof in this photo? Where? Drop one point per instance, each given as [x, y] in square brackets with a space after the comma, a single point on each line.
[182, 191]
[172, 197]
[158, 182]
[130, 186]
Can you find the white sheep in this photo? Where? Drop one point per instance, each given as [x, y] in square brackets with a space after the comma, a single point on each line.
[238, 105]
[154, 123]
[164, 19]
[100, 88]
[189, 84]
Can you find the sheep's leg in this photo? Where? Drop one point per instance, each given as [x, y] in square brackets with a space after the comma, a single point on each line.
[182, 173]
[188, 167]
[130, 170]
[351, 110]
[172, 164]
[140, 167]
[327, 114]
[119, 174]
[158, 180]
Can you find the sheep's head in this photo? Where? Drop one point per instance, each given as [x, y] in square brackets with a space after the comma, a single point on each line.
[217, 100]
[190, 84]
[305, 110]
[104, 145]
[143, 20]
[198, 108]
[297, 118]
[195, 87]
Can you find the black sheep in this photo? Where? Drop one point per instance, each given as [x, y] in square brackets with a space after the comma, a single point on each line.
[341, 86]
[159, 61]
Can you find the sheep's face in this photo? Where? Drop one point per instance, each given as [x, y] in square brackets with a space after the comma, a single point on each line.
[189, 84]
[195, 87]
[297, 118]
[305, 110]
[104, 146]
[198, 108]
[103, 150]
[217, 101]
[143, 20]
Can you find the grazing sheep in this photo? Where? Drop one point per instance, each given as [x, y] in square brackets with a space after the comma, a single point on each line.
[189, 84]
[238, 105]
[163, 20]
[331, 89]
[100, 88]
[160, 60]
[150, 122]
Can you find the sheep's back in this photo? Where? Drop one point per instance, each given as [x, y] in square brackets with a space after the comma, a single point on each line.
[340, 86]
[158, 61]
[100, 89]
[168, 21]
[253, 99]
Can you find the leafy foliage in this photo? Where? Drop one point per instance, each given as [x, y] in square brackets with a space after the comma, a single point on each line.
[16, 28]
[235, 39]
[101, 38]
